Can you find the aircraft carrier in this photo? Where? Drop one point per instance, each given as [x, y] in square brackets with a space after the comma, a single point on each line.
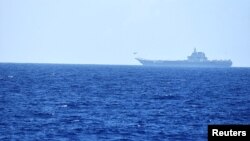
[196, 59]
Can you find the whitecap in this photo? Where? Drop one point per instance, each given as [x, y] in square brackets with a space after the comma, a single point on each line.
[76, 120]
[10, 76]
[64, 106]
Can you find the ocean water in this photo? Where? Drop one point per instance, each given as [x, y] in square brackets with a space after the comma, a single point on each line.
[119, 103]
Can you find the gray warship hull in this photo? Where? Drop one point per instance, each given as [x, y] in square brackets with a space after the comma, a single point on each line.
[196, 59]
[185, 63]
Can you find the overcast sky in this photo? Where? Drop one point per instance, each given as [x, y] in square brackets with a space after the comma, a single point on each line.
[109, 31]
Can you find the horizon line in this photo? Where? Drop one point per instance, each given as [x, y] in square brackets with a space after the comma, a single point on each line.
[51, 63]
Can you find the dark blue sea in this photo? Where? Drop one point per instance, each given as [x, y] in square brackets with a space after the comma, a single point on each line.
[119, 103]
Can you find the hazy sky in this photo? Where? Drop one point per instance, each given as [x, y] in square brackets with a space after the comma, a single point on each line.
[109, 31]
